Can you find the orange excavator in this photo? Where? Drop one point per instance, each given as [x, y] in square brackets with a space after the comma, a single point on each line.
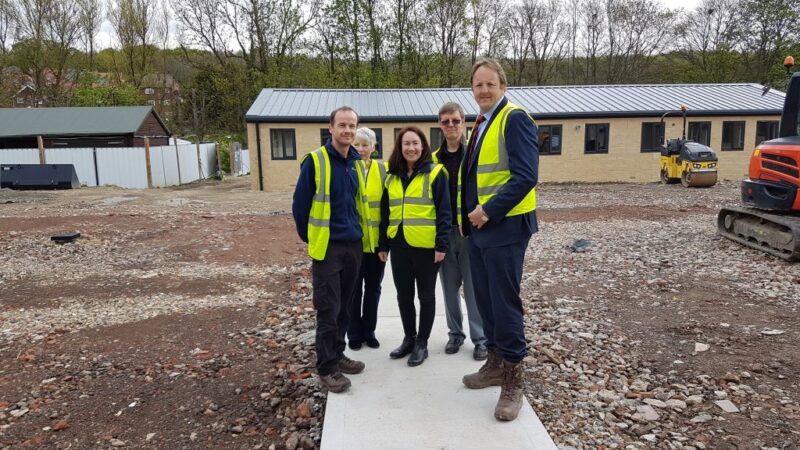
[770, 218]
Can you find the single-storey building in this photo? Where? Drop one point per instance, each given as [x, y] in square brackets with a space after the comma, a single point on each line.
[586, 133]
[118, 126]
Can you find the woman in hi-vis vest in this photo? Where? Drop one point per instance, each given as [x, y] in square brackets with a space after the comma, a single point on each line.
[364, 306]
[415, 227]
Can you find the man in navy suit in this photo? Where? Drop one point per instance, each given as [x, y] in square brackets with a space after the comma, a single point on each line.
[498, 214]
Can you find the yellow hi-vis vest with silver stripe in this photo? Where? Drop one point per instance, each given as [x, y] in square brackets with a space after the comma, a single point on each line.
[414, 208]
[493, 171]
[319, 219]
[375, 181]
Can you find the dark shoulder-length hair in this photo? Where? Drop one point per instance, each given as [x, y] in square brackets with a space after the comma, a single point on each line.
[397, 163]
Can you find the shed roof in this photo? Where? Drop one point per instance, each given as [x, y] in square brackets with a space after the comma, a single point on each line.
[543, 102]
[18, 122]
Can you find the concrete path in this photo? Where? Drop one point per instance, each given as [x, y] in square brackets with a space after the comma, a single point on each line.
[393, 406]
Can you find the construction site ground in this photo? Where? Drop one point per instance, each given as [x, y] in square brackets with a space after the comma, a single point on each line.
[182, 318]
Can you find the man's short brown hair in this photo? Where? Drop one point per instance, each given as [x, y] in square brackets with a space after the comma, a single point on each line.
[343, 108]
[451, 107]
[490, 63]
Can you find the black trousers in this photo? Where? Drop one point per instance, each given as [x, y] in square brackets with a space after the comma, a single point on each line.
[364, 315]
[334, 280]
[412, 266]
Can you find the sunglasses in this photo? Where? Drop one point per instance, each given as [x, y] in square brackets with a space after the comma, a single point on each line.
[451, 122]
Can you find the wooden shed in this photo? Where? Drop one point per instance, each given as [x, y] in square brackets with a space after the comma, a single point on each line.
[120, 126]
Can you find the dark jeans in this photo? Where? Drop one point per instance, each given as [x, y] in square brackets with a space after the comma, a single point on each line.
[410, 266]
[364, 315]
[334, 280]
[496, 276]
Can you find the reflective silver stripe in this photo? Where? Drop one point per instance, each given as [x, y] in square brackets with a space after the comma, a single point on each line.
[425, 183]
[502, 152]
[382, 171]
[375, 204]
[393, 222]
[364, 198]
[374, 223]
[418, 201]
[395, 201]
[364, 170]
[490, 190]
[420, 222]
[320, 195]
[319, 222]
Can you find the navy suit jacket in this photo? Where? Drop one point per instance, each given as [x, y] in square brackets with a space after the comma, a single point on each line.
[522, 144]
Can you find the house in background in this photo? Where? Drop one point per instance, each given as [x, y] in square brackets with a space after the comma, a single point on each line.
[586, 133]
[27, 97]
[120, 126]
[162, 92]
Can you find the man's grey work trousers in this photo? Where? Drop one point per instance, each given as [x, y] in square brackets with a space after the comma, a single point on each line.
[454, 272]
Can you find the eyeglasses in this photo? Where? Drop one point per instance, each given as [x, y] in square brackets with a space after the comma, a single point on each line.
[451, 122]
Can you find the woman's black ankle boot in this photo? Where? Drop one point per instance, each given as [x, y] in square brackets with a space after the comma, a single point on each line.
[419, 353]
[405, 348]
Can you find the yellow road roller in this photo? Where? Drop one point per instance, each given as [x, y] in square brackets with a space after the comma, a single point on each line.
[691, 163]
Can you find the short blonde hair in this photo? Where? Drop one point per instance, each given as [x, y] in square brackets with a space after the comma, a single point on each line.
[489, 63]
[367, 135]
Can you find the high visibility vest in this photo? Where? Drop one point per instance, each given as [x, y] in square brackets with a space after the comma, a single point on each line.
[319, 219]
[375, 181]
[493, 171]
[414, 208]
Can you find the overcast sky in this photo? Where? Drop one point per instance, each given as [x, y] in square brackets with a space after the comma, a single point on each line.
[106, 36]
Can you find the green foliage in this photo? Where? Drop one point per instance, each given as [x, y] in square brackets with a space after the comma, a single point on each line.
[88, 93]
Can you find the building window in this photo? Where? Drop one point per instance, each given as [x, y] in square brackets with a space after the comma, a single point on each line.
[283, 143]
[149, 91]
[151, 102]
[550, 139]
[733, 135]
[324, 136]
[652, 136]
[436, 137]
[20, 100]
[766, 130]
[700, 132]
[596, 138]
[378, 153]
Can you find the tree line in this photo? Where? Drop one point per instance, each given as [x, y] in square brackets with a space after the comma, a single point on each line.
[226, 51]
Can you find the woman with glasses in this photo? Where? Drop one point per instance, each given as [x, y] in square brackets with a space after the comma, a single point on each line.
[367, 294]
[415, 226]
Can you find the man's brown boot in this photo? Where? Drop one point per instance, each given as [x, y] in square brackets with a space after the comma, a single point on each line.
[335, 382]
[349, 366]
[510, 393]
[490, 373]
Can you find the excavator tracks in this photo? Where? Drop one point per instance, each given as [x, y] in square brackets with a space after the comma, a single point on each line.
[778, 235]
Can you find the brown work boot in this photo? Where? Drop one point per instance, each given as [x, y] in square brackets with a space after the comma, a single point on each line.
[490, 373]
[350, 367]
[335, 382]
[510, 401]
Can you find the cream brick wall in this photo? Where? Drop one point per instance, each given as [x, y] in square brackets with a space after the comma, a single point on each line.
[624, 161]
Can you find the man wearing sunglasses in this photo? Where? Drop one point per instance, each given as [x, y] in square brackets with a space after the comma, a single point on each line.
[455, 270]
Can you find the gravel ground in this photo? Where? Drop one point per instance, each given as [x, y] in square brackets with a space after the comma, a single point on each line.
[193, 305]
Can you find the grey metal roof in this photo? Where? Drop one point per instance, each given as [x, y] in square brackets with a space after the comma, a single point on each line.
[545, 102]
[16, 122]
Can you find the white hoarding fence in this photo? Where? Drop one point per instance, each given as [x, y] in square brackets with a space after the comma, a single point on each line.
[241, 160]
[126, 167]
